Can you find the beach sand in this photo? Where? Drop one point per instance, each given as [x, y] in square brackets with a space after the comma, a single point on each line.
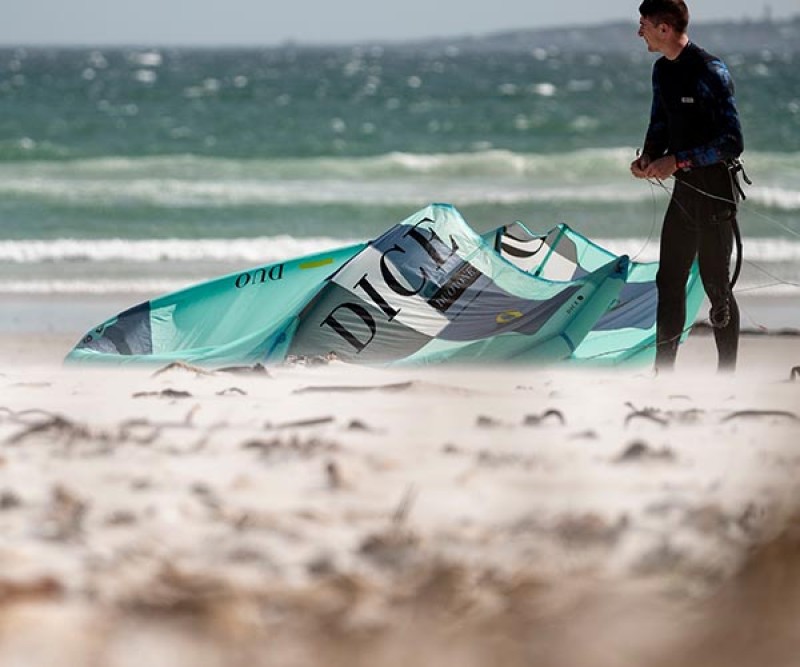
[335, 515]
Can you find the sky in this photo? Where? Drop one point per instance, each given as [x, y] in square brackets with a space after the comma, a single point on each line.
[270, 22]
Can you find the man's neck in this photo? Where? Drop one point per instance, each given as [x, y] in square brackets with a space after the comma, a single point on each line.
[675, 47]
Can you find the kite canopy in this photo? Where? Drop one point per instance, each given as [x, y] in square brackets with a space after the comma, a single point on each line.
[428, 290]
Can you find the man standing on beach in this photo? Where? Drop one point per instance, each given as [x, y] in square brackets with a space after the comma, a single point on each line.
[695, 136]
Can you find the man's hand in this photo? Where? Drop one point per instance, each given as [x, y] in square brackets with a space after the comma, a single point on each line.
[639, 165]
[662, 168]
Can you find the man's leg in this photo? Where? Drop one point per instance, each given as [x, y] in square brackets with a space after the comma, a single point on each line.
[678, 250]
[716, 245]
[717, 222]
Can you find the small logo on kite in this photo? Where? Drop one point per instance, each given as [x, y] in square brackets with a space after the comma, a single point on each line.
[508, 316]
[260, 276]
[575, 304]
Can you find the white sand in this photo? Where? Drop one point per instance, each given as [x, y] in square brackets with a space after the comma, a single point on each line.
[341, 515]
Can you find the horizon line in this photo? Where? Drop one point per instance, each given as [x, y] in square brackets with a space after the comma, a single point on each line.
[378, 41]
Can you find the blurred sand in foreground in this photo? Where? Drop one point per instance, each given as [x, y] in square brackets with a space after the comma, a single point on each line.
[334, 515]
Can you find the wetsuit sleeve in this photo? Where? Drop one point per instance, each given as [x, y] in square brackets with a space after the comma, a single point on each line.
[716, 90]
[657, 139]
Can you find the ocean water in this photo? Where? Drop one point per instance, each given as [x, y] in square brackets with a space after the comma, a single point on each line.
[137, 171]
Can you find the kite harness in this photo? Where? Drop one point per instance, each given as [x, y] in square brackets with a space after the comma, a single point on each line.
[735, 167]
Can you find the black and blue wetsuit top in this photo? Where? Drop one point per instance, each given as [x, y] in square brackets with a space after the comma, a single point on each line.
[694, 113]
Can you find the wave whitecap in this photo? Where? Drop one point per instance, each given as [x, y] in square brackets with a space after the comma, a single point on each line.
[244, 250]
[493, 176]
[253, 251]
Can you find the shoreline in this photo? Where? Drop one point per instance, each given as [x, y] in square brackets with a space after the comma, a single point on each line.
[65, 318]
[78, 313]
[43, 328]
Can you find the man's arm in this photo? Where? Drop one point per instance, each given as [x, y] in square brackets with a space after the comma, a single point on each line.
[716, 89]
[656, 140]
[653, 163]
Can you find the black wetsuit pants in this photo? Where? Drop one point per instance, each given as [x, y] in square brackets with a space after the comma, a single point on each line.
[699, 223]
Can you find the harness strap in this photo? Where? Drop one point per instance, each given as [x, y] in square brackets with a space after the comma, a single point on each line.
[736, 167]
[737, 235]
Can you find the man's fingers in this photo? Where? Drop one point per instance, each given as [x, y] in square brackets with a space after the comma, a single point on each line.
[656, 171]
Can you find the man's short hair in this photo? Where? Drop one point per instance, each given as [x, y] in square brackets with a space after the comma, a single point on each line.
[674, 13]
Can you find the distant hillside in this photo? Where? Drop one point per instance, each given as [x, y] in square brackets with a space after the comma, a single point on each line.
[721, 37]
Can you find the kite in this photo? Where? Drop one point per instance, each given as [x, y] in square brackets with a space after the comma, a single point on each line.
[429, 290]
